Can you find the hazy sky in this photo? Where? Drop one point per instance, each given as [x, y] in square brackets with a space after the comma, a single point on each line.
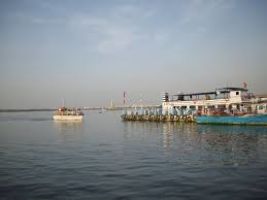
[88, 52]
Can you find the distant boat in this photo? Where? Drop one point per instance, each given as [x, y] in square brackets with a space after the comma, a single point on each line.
[68, 114]
[102, 110]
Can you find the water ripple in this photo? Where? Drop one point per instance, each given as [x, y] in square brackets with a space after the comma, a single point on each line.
[105, 158]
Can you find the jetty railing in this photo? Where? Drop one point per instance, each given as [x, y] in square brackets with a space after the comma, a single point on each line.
[157, 115]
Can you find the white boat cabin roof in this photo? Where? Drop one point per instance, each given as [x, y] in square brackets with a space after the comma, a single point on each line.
[216, 92]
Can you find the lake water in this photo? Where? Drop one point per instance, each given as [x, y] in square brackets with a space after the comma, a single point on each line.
[106, 158]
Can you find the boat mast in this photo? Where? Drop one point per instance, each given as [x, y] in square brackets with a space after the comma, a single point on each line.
[63, 102]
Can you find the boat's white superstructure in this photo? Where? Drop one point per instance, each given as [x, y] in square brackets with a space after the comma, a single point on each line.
[68, 118]
[229, 99]
[68, 114]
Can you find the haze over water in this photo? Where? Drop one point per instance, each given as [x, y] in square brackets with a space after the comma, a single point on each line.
[89, 52]
[105, 158]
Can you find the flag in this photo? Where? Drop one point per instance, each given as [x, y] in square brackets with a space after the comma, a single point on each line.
[245, 84]
[124, 97]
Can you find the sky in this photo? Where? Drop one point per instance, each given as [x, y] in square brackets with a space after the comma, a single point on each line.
[88, 52]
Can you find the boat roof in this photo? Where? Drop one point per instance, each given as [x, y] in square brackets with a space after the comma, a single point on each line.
[219, 90]
[232, 89]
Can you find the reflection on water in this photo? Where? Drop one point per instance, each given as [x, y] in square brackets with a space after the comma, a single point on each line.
[68, 126]
[167, 133]
[106, 158]
[221, 145]
[171, 131]
[137, 129]
[70, 130]
[234, 145]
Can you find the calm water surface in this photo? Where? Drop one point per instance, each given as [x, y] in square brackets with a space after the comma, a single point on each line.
[105, 158]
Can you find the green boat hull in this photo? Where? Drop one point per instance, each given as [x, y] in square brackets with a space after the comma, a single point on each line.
[233, 120]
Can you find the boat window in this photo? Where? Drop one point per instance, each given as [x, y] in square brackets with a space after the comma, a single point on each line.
[181, 97]
[192, 107]
[237, 93]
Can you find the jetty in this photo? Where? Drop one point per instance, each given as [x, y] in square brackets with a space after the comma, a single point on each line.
[156, 115]
[228, 105]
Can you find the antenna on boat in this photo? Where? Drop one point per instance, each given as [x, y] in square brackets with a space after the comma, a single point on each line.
[124, 97]
[245, 85]
[63, 102]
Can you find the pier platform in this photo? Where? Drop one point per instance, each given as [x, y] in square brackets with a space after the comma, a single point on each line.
[158, 118]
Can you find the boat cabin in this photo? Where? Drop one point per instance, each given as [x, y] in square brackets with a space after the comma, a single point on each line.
[227, 99]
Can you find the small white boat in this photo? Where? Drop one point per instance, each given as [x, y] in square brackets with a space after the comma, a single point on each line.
[68, 114]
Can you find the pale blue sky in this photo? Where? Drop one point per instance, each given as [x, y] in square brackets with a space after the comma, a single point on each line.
[88, 52]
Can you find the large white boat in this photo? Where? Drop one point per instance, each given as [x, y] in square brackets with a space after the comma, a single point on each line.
[68, 114]
[228, 105]
[223, 101]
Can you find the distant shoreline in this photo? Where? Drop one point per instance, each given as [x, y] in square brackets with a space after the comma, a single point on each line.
[27, 110]
[82, 108]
